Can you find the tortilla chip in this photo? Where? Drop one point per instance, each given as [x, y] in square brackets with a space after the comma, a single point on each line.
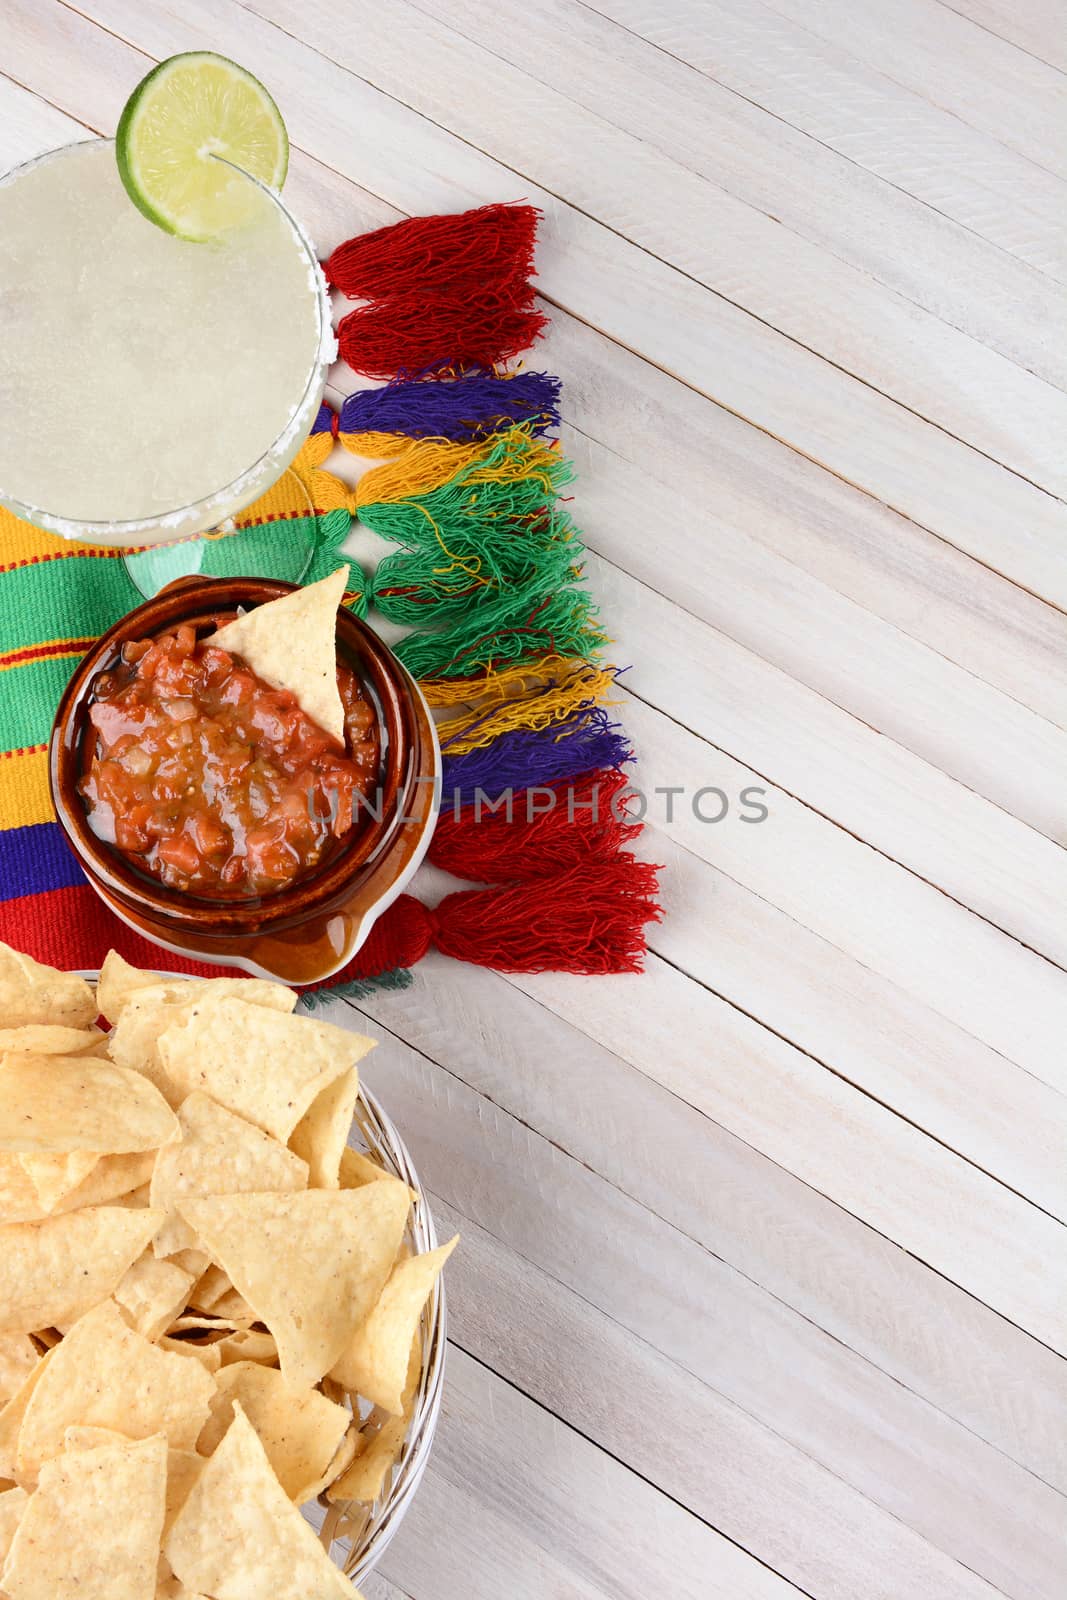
[197, 1263]
[148, 1012]
[211, 1286]
[13, 1503]
[18, 1357]
[239, 1536]
[12, 1416]
[52, 1104]
[106, 1375]
[52, 1272]
[119, 981]
[311, 1265]
[321, 1134]
[183, 1466]
[208, 1355]
[31, 994]
[49, 1039]
[365, 1478]
[152, 1294]
[357, 1168]
[112, 1179]
[300, 1431]
[233, 1307]
[170, 1589]
[92, 1528]
[219, 1153]
[248, 1344]
[266, 1067]
[291, 644]
[19, 1200]
[56, 1176]
[343, 1458]
[187, 1323]
[376, 1361]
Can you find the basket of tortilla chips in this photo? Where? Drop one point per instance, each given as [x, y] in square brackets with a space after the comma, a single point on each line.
[219, 1294]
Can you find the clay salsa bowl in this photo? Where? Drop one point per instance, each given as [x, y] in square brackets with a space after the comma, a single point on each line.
[311, 928]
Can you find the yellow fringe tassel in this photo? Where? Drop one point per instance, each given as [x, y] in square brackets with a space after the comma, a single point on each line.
[428, 464]
[534, 695]
[376, 446]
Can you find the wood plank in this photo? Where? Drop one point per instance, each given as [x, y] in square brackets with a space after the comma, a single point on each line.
[805, 1119]
[906, 691]
[559, 1515]
[845, 771]
[751, 483]
[791, 284]
[865, 437]
[900, 1454]
[1034, 25]
[816, 85]
[942, 56]
[856, 901]
[453, 1546]
[770, 1235]
[378, 1588]
[791, 178]
[857, 1024]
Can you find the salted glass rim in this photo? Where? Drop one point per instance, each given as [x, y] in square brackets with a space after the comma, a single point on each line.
[178, 519]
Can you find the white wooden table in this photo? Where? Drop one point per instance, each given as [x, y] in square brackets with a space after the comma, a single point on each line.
[761, 1288]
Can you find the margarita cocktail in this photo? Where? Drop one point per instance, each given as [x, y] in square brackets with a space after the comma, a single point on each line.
[150, 385]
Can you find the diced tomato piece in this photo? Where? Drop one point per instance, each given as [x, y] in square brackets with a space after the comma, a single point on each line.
[210, 835]
[179, 851]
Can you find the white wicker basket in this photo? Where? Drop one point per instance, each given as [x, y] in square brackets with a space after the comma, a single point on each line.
[356, 1535]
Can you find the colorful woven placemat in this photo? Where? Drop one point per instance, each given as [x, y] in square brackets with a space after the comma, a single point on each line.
[486, 576]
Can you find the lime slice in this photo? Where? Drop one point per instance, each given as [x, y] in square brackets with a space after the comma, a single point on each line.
[187, 113]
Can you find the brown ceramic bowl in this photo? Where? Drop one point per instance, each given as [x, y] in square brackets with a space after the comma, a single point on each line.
[310, 929]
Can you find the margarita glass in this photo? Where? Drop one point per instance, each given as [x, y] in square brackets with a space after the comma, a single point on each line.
[192, 371]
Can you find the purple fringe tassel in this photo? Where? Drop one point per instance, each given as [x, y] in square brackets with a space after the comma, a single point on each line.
[469, 407]
[525, 757]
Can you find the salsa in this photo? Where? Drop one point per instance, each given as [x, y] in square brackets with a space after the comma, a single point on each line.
[213, 781]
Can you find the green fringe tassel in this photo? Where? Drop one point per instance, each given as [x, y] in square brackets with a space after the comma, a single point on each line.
[355, 989]
[427, 583]
[518, 625]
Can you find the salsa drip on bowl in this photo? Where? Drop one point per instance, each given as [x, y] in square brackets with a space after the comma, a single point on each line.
[209, 779]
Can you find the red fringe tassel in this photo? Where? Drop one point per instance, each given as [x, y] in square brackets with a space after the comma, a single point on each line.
[409, 333]
[460, 254]
[590, 919]
[549, 829]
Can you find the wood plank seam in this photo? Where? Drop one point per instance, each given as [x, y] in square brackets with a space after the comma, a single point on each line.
[718, 182]
[672, 267]
[572, 1427]
[452, 1072]
[844, 828]
[843, 155]
[853, 1083]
